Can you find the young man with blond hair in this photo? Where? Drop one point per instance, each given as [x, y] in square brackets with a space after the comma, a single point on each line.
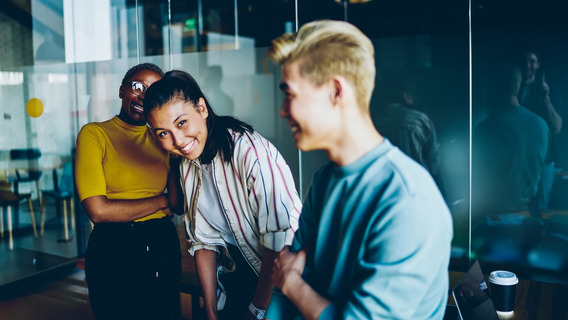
[375, 233]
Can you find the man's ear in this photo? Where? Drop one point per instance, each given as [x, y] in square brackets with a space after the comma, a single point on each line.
[121, 92]
[336, 89]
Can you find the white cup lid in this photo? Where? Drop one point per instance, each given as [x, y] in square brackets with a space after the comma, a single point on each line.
[502, 277]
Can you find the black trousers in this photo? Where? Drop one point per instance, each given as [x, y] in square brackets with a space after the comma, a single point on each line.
[133, 270]
[240, 286]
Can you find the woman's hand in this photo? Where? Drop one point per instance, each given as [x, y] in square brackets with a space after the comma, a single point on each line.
[168, 212]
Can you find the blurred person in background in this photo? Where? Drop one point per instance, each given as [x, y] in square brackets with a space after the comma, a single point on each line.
[411, 130]
[535, 95]
[510, 149]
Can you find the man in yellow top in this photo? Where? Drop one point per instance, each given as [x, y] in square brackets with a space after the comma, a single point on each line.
[132, 262]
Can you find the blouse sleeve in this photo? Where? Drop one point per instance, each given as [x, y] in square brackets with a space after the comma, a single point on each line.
[272, 193]
[189, 182]
[195, 244]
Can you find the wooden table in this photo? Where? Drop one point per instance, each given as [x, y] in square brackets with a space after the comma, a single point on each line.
[533, 301]
[43, 163]
[46, 162]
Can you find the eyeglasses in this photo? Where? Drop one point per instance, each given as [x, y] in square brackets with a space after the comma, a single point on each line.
[138, 88]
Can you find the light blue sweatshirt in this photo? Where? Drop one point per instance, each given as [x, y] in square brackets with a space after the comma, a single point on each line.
[378, 236]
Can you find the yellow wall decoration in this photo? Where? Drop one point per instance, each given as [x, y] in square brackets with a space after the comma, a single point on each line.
[34, 107]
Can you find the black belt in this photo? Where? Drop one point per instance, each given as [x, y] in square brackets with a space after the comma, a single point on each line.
[132, 225]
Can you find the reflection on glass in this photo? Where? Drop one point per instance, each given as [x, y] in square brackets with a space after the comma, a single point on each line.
[179, 34]
[510, 147]
[535, 95]
[519, 154]
[425, 95]
[437, 64]
[400, 120]
[220, 27]
[212, 79]
[90, 38]
[36, 161]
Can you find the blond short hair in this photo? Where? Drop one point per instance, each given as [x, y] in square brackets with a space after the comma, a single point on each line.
[325, 48]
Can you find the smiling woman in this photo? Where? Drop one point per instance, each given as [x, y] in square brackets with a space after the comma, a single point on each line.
[132, 94]
[121, 173]
[229, 174]
[181, 128]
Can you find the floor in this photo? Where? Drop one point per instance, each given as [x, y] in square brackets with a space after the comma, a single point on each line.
[31, 255]
[39, 278]
[63, 299]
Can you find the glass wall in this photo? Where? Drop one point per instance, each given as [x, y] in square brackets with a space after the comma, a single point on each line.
[438, 59]
[422, 63]
[61, 67]
[519, 138]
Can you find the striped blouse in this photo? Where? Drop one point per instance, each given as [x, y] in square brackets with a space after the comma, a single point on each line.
[257, 194]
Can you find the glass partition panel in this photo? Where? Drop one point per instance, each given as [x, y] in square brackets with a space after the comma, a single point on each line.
[16, 47]
[151, 25]
[39, 109]
[117, 29]
[433, 91]
[182, 32]
[519, 208]
[80, 52]
[64, 73]
[422, 62]
[310, 10]
[36, 169]
[220, 26]
[103, 30]
[215, 25]
[263, 21]
[71, 56]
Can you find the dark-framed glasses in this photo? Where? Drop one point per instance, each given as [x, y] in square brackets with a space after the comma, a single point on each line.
[138, 88]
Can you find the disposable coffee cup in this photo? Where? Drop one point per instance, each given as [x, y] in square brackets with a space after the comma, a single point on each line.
[503, 289]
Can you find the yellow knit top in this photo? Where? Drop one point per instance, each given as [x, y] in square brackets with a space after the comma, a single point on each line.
[120, 161]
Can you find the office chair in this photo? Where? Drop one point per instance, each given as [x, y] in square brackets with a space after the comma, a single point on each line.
[28, 175]
[62, 193]
[10, 200]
